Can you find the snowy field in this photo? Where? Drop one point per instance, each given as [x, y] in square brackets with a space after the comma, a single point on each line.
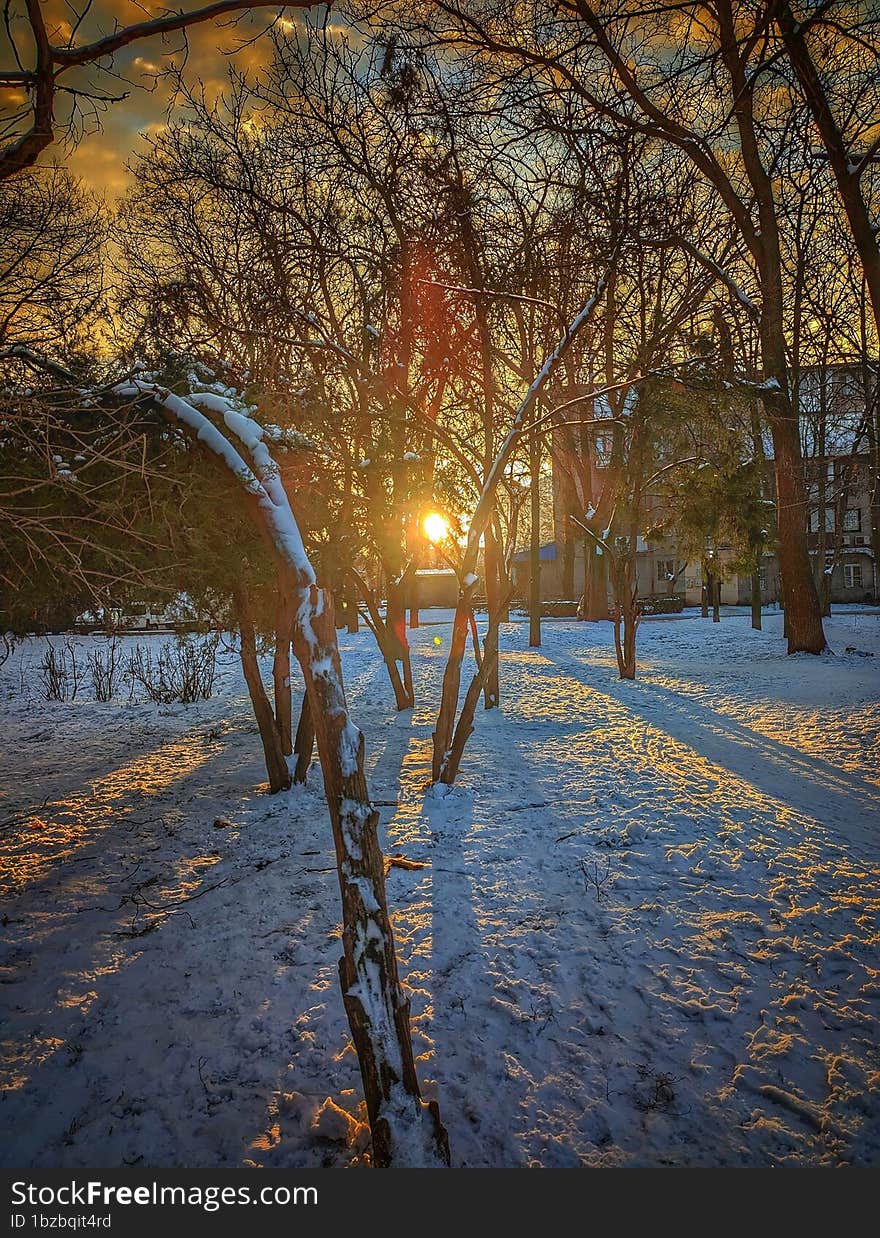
[646, 932]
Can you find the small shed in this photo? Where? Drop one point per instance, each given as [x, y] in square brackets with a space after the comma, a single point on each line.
[436, 586]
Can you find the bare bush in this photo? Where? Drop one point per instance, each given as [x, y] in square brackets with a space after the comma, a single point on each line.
[60, 673]
[107, 670]
[599, 880]
[183, 672]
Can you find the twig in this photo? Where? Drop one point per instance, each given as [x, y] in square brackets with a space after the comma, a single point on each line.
[400, 861]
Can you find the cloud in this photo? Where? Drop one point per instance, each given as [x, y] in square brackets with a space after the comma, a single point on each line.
[108, 134]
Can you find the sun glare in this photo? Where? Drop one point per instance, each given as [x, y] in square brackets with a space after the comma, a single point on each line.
[436, 527]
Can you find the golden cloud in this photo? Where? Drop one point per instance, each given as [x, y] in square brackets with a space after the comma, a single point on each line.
[107, 136]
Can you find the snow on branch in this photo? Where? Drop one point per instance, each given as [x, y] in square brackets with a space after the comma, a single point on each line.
[483, 509]
[716, 270]
[263, 481]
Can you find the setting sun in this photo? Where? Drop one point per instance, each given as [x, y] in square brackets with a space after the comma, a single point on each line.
[436, 527]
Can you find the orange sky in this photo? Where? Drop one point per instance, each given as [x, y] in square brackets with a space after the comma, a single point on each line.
[100, 156]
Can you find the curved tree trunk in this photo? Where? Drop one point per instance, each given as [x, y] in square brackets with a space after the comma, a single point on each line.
[483, 514]
[406, 1130]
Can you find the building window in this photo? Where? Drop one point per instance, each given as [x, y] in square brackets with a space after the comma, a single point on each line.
[852, 520]
[762, 578]
[852, 575]
[665, 569]
[829, 520]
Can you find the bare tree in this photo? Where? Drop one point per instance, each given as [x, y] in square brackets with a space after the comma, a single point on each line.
[51, 264]
[34, 84]
[845, 115]
[406, 1130]
[835, 59]
[625, 62]
[451, 735]
[85, 487]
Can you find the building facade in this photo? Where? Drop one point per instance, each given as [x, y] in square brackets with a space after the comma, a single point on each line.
[841, 545]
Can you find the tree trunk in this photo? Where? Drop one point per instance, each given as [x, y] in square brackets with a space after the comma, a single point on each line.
[482, 515]
[756, 598]
[505, 584]
[304, 743]
[281, 677]
[803, 618]
[568, 556]
[805, 633]
[595, 601]
[406, 1131]
[492, 559]
[276, 765]
[630, 624]
[465, 725]
[390, 646]
[825, 594]
[408, 690]
[443, 731]
[626, 614]
[395, 647]
[625, 623]
[873, 425]
[535, 542]
[413, 599]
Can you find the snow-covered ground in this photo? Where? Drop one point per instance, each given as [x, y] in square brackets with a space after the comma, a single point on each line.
[646, 932]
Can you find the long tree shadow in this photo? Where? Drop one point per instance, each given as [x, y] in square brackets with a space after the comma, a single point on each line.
[480, 1088]
[174, 990]
[734, 914]
[126, 1040]
[809, 785]
[136, 1041]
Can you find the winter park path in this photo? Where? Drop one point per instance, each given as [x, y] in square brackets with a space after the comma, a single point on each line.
[646, 932]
